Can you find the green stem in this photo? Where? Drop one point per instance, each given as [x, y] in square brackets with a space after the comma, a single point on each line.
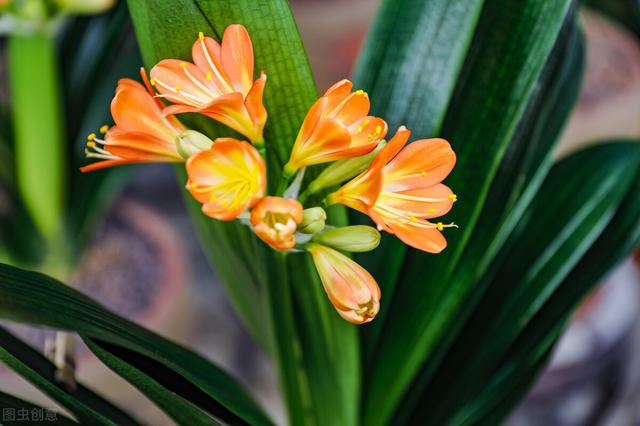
[287, 348]
[37, 118]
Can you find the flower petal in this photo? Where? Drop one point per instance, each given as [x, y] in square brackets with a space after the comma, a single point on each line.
[427, 203]
[133, 109]
[181, 82]
[237, 57]
[426, 239]
[420, 164]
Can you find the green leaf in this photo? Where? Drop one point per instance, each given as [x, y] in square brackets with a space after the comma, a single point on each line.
[10, 402]
[37, 120]
[574, 208]
[179, 409]
[237, 255]
[510, 49]
[409, 65]
[37, 299]
[40, 372]
[520, 174]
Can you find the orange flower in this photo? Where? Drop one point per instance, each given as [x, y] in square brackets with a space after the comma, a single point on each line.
[351, 289]
[337, 126]
[275, 220]
[401, 189]
[141, 134]
[218, 84]
[227, 179]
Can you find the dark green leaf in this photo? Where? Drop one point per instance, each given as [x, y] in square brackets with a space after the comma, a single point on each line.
[37, 299]
[179, 409]
[40, 372]
[510, 49]
[11, 402]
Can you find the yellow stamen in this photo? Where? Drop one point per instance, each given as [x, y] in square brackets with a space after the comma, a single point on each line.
[152, 81]
[208, 76]
[177, 88]
[413, 218]
[378, 130]
[359, 92]
[200, 35]
[183, 64]
[432, 210]
[104, 129]
[91, 144]
[91, 136]
[440, 226]
[454, 197]
[423, 173]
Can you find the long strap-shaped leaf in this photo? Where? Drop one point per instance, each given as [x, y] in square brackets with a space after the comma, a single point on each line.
[289, 332]
[525, 165]
[11, 404]
[178, 408]
[511, 45]
[587, 197]
[37, 299]
[409, 65]
[82, 402]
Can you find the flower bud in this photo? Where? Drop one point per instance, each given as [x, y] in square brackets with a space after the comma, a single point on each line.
[356, 238]
[84, 7]
[191, 142]
[313, 220]
[351, 289]
[341, 171]
[275, 219]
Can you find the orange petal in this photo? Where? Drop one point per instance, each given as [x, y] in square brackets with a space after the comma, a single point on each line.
[434, 201]
[352, 109]
[426, 239]
[172, 79]
[253, 101]
[327, 143]
[140, 146]
[206, 56]
[392, 148]
[133, 109]
[227, 179]
[237, 57]
[420, 164]
[337, 93]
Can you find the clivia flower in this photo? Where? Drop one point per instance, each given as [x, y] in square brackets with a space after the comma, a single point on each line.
[401, 190]
[351, 289]
[142, 133]
[218, 84]
[227, 179]
[275, 220]
[337, 126]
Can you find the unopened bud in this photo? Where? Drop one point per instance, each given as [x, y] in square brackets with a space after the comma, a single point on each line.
[313, 220]
[356, 238]
[342, 170]
[191, 142]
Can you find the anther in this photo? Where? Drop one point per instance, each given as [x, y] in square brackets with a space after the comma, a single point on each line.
[432, 210]
[412, 218]
[453, 197]
[423, 173]
[183, 64]
[152, 81]
[359, 92]
[201, 35]
[378, 130]
[177, 88]
[440, 226]
[104, 129]
[208, 76]
[91, 136]
[91, 144]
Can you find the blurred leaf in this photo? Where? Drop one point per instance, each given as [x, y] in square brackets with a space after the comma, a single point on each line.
[627, 12]
[34, 298]
[509, 51]
[238, 256]
[11, 402]
[84, 404]
[38, 124]
[575, 207]
[178, 408]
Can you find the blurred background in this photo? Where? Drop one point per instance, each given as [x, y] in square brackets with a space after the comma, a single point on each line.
[135, 260]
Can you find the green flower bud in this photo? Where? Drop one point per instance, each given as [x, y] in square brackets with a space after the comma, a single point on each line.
[342, 170]
[313, 220]
[356, 238]
[191, 142]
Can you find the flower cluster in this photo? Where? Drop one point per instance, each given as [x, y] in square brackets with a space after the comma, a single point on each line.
[398, 185]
